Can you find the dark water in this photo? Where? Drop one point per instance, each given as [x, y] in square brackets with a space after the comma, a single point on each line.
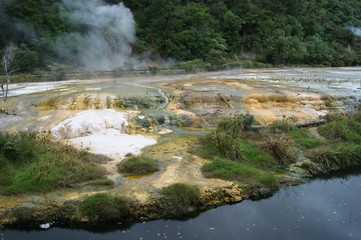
[323, 209]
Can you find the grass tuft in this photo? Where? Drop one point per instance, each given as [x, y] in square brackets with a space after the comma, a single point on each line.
[229, 170]
[280, 147]
[104, 207]
[181, 195]
[137, 165]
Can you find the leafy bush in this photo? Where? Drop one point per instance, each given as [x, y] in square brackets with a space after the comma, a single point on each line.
[229, 170]
[31, 163]
[137, 165]
[103, 207]
[181, 195]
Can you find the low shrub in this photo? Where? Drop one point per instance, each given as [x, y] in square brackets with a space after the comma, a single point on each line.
[280, 147]
[137, 165]
[104, 207]
[181, 195]
[227, 146]
[229, 170]
[235, 126]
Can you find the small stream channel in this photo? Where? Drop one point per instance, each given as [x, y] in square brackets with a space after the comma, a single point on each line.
[322, 209]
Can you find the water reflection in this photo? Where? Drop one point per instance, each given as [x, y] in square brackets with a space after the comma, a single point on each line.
[322, 209]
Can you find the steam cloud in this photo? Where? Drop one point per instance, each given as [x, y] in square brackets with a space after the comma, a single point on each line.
[106, 43]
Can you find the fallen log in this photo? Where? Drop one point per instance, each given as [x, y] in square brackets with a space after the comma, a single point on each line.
[225, 100]
[314, 123]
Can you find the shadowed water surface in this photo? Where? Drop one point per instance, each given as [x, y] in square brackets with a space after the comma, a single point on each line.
[323, 209]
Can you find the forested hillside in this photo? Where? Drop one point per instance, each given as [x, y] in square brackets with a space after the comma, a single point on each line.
[310, 32]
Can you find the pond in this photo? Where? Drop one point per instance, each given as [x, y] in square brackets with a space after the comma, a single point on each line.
[322, 209]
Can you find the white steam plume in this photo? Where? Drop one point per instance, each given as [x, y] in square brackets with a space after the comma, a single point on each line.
[106, 43]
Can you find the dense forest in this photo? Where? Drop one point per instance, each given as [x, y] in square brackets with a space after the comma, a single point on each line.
[290, 32]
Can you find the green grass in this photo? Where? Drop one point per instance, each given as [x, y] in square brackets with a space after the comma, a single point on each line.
[303, 138]
[234, 171]
[236, 150]
[29, 163]
[102, 182]
[181, 195]
[137, 165]
[256, 157]
[350, 154]
[104, 207]
[337, 156]
[345, 128]
[342, 148]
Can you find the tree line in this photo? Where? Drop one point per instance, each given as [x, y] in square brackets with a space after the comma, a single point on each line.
[309, 32]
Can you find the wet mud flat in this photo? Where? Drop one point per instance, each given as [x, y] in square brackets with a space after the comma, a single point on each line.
[162, 117]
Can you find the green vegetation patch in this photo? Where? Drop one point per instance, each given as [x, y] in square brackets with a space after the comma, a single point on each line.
[303, 138]
[346, 128]
[192, 66]
[137, 165]
[246, 64]
[337, 156]
[139, 102]
[181, 195]
[280, 127]
[104, 207]
[229, 170]
[343, 148]
[228, 141]
[280, 147]
[30, 163]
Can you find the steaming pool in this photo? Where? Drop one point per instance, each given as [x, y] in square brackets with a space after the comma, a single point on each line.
[322, 209]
